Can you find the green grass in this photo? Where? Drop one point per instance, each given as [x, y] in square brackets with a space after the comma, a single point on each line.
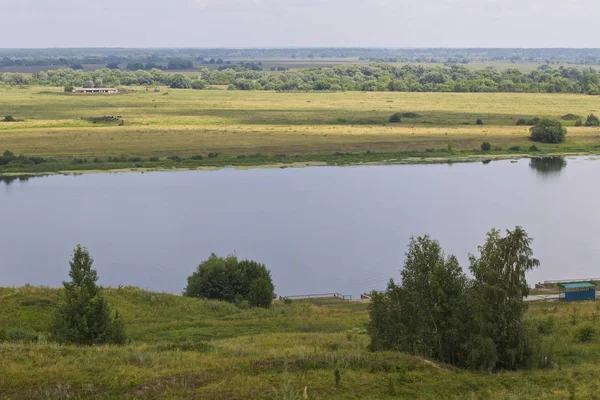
[190, 348]
[331, 128]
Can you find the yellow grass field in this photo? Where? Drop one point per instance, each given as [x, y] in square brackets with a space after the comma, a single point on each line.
[182, 122]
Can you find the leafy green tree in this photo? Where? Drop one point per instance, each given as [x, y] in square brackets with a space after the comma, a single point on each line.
[198, 85]
[179, 81]
[227, 279]
[261, 293]
[423, 314]
[69, 89]
[496, 297]
[592, 120]
[486, 146]
[83, 316]
[548, 131]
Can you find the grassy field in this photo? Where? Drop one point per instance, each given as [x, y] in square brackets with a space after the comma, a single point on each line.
[189, 348]
[240, 123]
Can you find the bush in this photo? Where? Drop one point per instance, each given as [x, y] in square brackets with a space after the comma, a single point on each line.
[227, 279]
[486, 146]
[80, 160]
[545, 326]
[534, 148]
[579, 123]
[592, 120]
[585, 334]
[521, 121]
[135, 159]
[410, 115]
[197, 157]
[395, 118]
[261, 293]
[69, 89]
[198, 85]
[479, 122]
[213, 155]
[9, 118]
[548, 131]
[154, 158]
[515, 148]
[83, 316]
[570, 117]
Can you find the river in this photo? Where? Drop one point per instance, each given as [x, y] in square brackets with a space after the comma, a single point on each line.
[318, 229]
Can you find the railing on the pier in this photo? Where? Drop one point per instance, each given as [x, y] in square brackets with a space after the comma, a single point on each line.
[320, 296]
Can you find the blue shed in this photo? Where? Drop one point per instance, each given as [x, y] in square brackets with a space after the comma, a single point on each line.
[577, 291]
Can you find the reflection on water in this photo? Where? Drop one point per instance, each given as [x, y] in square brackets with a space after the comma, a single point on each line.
[10, 179]
[548, 165]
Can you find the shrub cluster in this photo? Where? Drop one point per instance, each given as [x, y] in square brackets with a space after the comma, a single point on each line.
[228, 279]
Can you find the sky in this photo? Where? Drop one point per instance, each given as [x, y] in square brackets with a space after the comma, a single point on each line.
[299, 23]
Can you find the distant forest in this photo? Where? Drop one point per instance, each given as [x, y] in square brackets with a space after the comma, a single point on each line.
[371, 77]
[184, 58]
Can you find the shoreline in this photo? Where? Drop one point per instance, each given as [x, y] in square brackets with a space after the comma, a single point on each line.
[410, 160]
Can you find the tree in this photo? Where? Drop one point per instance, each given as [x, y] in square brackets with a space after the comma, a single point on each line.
[592, 120]
[486, 146]
[69, 88]
[198, 85]
[548, 131]
[261, 293]
[227, 279]
[479, 122]
[497, 292]
[83, 316]
[112, 65]
[437, 312]
[422, 315]
[179, 81]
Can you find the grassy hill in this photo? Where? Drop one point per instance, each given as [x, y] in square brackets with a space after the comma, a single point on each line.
[189, 348]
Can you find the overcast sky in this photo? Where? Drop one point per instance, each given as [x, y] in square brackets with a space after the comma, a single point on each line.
[282, 23]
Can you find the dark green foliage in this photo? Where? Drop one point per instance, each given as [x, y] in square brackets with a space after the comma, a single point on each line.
[579, 123]
[198, 85]
[545, 326]
[410, 115]
[9, 118]
[548, 131]
[154, 158]
[592, 120]
[69, 88]
[179, 81]
[521, 121]
[570, 117]
[395, 118]
[479, 122]
[585, 333]
[213, 155]
[227, 279]
[83, 316]
[486, 146]
[261, 293]
[197, 157]
[515, 148]
[436, 312]
[533, 148]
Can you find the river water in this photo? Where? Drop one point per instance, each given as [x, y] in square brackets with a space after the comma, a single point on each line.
[318, 229]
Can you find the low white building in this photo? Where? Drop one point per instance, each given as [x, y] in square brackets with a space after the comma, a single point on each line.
[96, 90]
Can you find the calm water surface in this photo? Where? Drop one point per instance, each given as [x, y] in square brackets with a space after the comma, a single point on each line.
[322, 229]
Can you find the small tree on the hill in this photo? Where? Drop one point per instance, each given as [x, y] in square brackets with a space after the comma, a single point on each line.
[548, 131]
[83, 315]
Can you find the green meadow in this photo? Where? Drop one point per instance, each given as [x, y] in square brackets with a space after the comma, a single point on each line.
[184, 348]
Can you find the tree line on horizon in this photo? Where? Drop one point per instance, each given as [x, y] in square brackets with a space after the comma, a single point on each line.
[372, 77]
